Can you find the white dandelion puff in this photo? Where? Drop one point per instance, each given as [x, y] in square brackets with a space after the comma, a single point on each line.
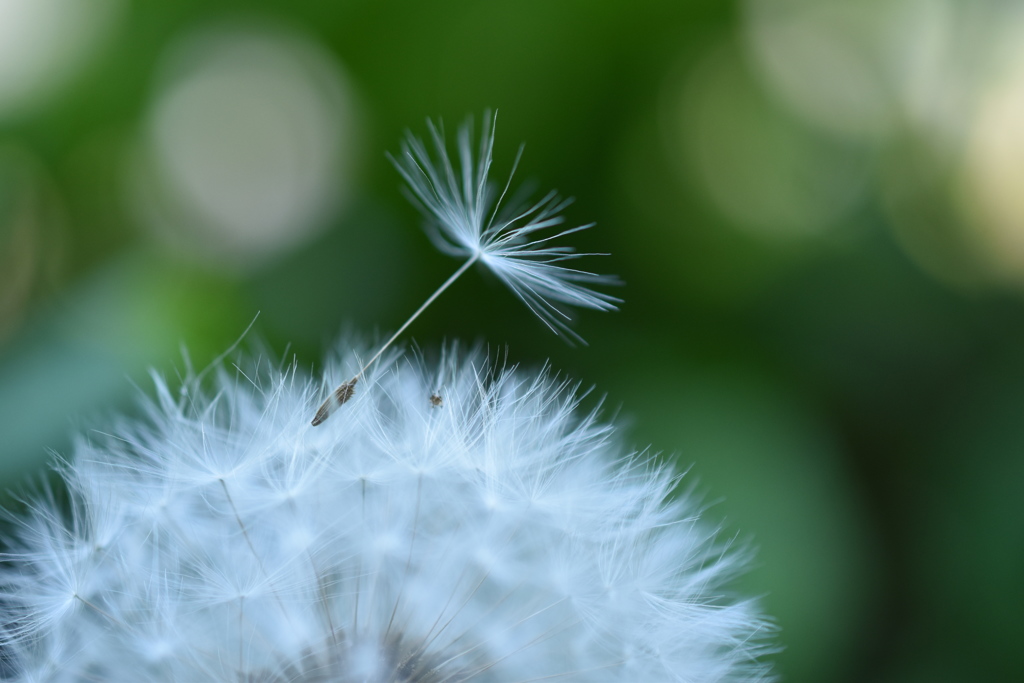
[466, 219]
[499, 535]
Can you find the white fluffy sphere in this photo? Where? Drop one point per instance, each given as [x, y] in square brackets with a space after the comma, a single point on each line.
[451, 522]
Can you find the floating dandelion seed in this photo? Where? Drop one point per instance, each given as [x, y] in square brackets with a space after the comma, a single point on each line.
[466, 219]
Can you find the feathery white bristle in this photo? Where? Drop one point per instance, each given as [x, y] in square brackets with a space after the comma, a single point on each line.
[499, 536]
[467, 219]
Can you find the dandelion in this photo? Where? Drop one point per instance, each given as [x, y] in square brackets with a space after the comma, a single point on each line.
[466, 218]
[461, 521]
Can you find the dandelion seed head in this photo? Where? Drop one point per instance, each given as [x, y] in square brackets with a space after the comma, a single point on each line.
[503, 537]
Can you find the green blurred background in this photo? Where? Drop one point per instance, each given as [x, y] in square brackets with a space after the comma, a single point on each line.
[817, 207]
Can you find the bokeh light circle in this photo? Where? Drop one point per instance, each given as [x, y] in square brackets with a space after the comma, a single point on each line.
[248, 145]
[993, 172]
[44, 42]
[764, 172]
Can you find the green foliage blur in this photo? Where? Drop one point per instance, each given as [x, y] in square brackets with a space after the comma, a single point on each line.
[817, 208]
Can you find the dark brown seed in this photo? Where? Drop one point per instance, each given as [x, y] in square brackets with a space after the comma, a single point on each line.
[337, 399]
